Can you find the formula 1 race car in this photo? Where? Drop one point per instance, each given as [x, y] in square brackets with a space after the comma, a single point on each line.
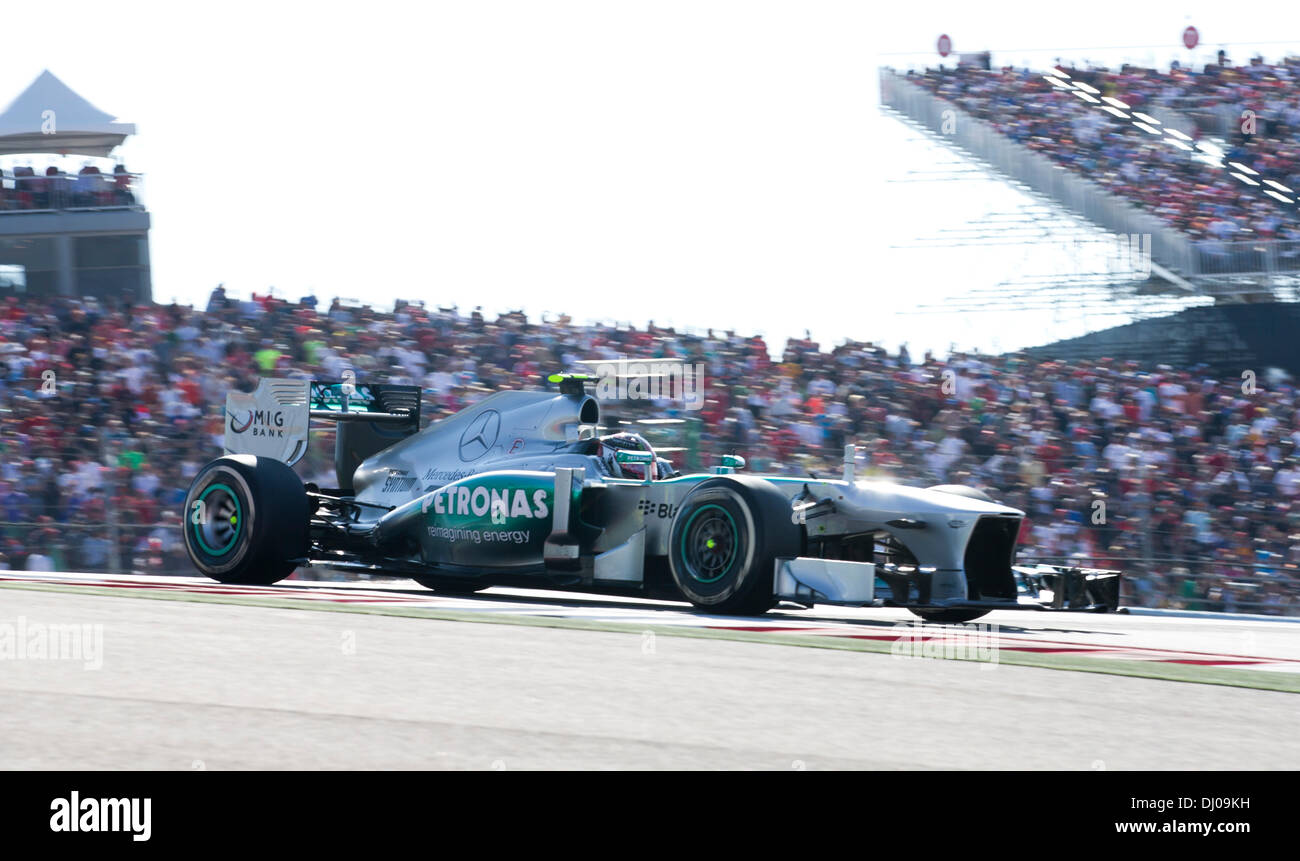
[521, 490]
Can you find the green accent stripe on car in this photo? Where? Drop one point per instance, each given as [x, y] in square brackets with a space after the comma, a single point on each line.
[686, 532]
[237, 522]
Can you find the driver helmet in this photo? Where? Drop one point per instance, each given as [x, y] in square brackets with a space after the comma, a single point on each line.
[609, 445]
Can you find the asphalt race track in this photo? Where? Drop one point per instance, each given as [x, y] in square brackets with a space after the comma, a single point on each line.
[183, 673]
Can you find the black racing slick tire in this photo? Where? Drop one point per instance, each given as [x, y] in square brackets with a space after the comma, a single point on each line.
[246, 520]
[725, 540]
[950, 617]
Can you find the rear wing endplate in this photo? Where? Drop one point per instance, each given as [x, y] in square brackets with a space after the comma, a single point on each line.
[274, 419]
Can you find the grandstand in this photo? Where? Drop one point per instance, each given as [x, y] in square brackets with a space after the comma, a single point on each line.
[1140, 154]
[84, 233]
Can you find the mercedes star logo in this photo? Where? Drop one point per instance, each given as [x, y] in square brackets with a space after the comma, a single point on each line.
[480, 436]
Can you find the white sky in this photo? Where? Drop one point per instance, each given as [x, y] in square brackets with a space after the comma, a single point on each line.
[700, 163]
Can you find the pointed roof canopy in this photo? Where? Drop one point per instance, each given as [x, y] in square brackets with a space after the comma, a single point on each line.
[48, 117]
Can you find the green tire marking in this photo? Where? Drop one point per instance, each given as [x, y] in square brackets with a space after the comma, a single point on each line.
[686, 531]
[234, 521]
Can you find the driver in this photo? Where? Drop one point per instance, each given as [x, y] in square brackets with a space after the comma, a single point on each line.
[609, 445]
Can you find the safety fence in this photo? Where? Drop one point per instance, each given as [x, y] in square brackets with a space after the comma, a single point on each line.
[41, 193]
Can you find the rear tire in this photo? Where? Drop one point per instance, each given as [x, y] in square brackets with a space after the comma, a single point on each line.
[246, 520]
[724, 543]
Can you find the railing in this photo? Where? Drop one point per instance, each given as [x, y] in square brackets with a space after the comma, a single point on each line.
[1258, 257]
[1169, 247]
[85, 192]
[111, 547]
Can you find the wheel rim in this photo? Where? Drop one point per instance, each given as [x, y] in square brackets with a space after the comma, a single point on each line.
[218, 533]
[709, 543]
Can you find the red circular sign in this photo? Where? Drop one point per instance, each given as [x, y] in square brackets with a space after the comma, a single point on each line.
[945, 45]
[1191, 38]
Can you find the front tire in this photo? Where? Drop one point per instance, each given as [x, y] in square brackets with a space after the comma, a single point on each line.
[724, 543]
[246, 520]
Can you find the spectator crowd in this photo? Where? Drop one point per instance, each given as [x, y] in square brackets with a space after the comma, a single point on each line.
[1188, 482]
[24, 189]
[1256, 107]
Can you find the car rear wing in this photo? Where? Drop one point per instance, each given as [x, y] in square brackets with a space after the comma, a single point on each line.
[274, 419]
[365, 402]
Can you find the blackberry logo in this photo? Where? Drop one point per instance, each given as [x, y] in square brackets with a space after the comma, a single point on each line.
[657, 509]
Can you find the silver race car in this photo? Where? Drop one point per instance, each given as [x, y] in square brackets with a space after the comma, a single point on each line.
[520, 489]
